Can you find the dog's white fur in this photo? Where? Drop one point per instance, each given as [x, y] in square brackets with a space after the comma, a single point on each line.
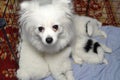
[87, 28]
[80, 55]
[60, 64]
[38, 58]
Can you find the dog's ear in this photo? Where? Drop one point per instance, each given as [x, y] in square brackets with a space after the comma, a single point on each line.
[65, 5]
[24, 5]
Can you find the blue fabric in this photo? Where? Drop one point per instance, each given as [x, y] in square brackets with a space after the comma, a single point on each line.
[110, 71]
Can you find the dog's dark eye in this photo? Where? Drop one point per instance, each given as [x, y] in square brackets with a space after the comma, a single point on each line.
[41, 29]
[55, 27]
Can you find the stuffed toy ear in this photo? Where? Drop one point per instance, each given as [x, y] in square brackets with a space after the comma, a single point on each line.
[99, 24]
[24, 5]
[89, 28]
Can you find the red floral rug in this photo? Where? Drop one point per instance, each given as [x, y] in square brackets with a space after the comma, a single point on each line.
[102, 10]
[106, 11]
[8, 65]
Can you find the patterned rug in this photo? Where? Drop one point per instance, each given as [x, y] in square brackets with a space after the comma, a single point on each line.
[106, 11]
[8, 66]
[102, 10]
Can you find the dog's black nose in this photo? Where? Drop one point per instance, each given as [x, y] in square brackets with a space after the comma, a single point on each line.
[49, 40]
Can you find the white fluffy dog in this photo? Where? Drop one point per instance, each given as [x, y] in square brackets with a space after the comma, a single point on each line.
[46, 34]
[86, 49]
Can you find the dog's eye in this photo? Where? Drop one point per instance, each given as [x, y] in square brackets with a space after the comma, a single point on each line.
[55, 27]
[41, 29]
